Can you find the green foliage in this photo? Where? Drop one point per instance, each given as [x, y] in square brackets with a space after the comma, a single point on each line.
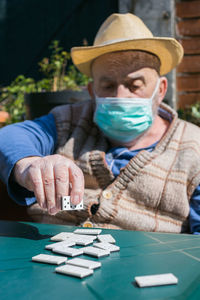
[12, 97]
[58, 75]
[191, 113]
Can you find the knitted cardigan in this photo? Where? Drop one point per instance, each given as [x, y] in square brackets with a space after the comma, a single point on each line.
[153, 190]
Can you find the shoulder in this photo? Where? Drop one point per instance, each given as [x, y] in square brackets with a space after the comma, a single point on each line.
[73, 112]
[191, 130]
[183, 129]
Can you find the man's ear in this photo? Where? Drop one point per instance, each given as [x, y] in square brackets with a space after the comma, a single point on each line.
[90, 90]
[162, 89]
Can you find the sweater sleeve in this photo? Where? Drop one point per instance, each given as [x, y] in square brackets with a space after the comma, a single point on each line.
[194, 216]
[20, 140]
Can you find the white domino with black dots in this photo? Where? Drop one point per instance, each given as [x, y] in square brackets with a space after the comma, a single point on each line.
[67, 205]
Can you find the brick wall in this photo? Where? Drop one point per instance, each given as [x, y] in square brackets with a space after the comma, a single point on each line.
[188, 33]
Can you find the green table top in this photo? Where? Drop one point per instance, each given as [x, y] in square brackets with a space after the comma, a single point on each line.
[141, 253]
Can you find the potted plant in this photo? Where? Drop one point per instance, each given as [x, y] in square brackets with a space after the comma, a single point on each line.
[61, 83]
[191, 113]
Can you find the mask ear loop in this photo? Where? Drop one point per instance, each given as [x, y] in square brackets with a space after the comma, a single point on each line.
[156, 89]
[95, 95]
[152, 97]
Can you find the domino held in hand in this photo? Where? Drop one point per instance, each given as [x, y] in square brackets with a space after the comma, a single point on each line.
[67, 205]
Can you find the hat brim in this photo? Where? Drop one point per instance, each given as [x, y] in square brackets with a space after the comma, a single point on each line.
[168, 50]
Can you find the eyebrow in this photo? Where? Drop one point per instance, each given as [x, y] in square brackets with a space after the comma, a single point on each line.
[128, 78]
[105, 78]
[137, 77]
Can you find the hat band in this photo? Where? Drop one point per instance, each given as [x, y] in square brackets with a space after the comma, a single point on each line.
[112, 42]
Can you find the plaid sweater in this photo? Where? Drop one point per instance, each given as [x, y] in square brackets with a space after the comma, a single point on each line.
[153, 190]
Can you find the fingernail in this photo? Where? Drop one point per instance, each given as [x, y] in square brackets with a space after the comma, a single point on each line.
[53, 210]
[76, 199]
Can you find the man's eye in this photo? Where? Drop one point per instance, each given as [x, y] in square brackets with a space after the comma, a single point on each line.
[133, 88]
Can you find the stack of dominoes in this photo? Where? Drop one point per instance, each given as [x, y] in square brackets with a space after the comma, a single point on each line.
[95, 244]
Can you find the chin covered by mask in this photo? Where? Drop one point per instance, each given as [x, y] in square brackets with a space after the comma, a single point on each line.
[124, 119]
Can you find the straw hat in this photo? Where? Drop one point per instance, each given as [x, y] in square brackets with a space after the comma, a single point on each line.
[127, 32]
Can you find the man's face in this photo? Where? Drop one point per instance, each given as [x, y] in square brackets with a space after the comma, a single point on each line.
[126, 75]
[115, 75]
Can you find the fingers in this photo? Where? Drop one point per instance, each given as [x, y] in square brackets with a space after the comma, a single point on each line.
[40, 180]
[35, 184]
[61, 183]
[77, 180]
[51, 178]
[49, 187]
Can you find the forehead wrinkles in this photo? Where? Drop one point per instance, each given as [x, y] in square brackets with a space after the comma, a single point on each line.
[111, 64]
[130, 61]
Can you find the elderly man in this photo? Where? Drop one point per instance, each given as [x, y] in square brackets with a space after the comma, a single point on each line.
[135, 164]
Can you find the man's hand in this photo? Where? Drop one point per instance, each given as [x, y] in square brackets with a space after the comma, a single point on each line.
[50, 178]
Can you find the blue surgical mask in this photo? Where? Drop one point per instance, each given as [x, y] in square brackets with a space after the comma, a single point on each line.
[124, 119]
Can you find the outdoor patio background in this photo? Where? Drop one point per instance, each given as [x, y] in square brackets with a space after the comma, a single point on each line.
[28, 26]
